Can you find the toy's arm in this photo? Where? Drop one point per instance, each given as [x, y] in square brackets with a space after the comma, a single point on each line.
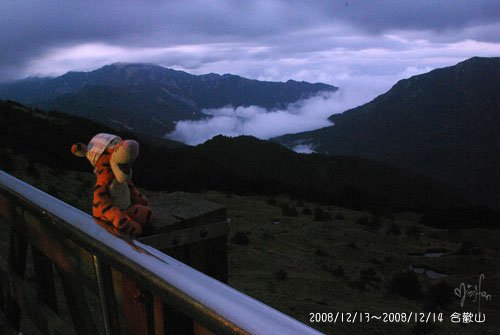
[103, 209]
[136, 197]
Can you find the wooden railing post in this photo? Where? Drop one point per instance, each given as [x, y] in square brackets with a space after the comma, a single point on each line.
[45, 284]
[77, 303]
[158, 316]
[44, 276]
[134, 307]
[17, 263]
[107, 297]
[143, 311]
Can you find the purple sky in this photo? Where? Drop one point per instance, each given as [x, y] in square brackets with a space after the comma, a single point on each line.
[362, 46]
[328, 41]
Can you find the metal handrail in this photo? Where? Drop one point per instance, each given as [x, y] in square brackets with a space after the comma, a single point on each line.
[202, 298]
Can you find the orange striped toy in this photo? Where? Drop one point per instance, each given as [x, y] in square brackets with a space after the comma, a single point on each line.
[116, 200]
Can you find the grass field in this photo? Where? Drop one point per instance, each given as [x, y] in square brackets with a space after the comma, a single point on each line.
[351, 262]
[339, 265]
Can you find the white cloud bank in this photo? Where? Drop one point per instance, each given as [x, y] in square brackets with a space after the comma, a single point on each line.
[300, 116]
[303, 115]
[304, 149]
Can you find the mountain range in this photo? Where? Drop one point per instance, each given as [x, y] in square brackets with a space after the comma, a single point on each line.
[241, 165]
[443, 124]
[149, 98]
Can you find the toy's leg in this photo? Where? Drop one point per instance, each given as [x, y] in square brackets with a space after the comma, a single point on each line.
[141, 214]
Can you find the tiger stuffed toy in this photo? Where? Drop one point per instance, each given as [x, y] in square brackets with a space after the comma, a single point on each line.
[116, 200]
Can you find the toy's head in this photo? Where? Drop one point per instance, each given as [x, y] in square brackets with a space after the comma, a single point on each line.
[106, 151]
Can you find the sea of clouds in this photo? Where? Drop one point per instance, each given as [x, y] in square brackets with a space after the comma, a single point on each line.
[303, 115]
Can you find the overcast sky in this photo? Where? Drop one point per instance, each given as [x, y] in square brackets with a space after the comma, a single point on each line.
[358, 45]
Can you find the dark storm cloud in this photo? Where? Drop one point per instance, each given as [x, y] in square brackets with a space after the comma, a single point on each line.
[29, 28]
[383, 15]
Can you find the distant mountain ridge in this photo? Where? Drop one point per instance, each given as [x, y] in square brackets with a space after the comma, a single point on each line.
[444, 124]
[243, 165]
[149, 98]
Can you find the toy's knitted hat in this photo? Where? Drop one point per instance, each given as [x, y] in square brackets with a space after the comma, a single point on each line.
[96, 146]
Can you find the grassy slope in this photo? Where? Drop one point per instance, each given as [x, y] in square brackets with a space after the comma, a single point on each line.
[309, 252]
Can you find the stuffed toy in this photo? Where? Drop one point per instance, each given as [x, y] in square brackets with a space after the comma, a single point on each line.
[116, 200]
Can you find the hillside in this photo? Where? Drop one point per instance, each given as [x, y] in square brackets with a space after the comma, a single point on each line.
[347, 260]
[148, 98]
[294, 254]
[443, 124]
[242, 165]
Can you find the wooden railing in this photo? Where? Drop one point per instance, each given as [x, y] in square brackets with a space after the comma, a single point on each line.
[94, 265]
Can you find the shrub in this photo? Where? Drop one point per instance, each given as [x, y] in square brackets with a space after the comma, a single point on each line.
[240, 238]
[413, 232]
[321, 215]
[281, 275]
[468, 248]
[338, 271]
[369, 276]
[359, 285]
[363, 221]
[321, 253]
[307, 211]
[372, 224]
[366, 277]
[339, 216]
[439, 296]
[352, 196]
[376, 261]
[381, 212]
[375, 222]
[405, 284]
[293, 212]
[287, 210]
[465, 248]
[271, 201]
[267, 235]
[32, 171]
[394, 229]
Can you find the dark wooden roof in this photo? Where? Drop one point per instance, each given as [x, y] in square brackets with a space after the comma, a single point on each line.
[179, 210]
